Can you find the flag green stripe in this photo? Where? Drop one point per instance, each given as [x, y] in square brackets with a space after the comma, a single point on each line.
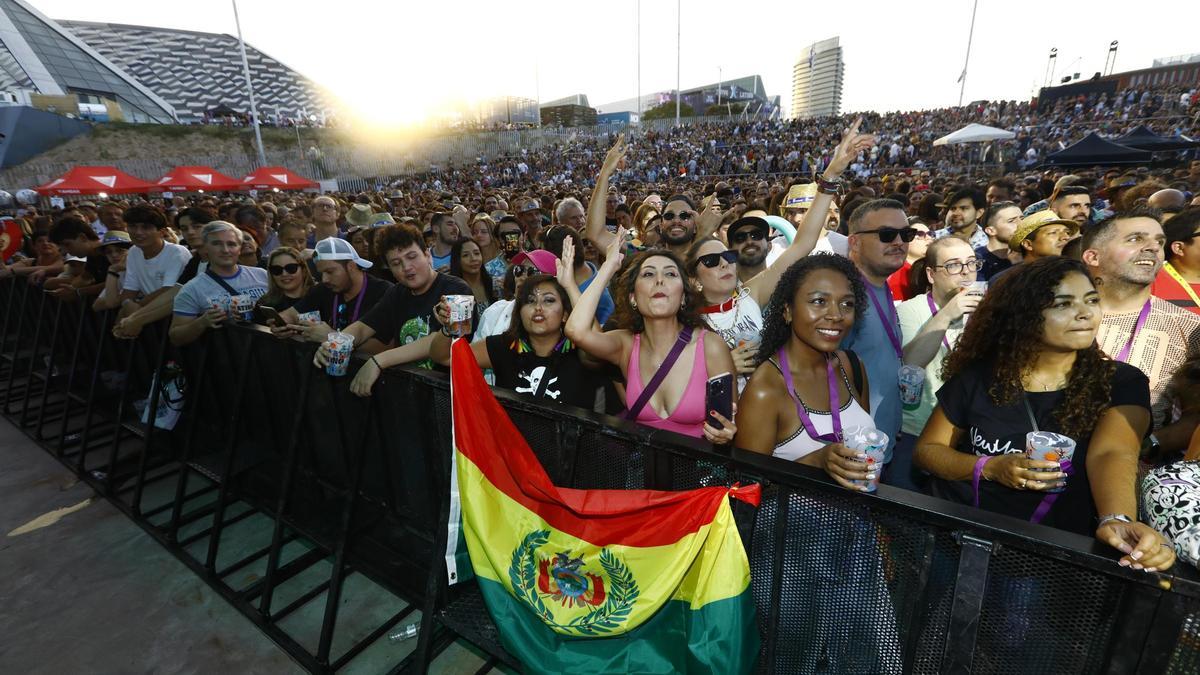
[719, 637]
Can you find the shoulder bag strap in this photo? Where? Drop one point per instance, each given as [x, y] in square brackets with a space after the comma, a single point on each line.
[685, 336]
[228, 289]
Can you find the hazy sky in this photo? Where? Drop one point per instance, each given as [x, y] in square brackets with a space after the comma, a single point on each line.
[396, 60]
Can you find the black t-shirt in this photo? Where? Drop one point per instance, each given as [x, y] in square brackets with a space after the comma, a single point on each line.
[404, 317]
[321, 299]
[522, 370]
[190, 270]
[992, 263]
[992, 430]
[97, 267]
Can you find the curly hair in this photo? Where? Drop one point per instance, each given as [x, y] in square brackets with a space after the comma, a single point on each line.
[625, 316]
[776, 330]
[1005, 331]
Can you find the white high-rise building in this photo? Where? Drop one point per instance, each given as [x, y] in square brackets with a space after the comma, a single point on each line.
[817, 80]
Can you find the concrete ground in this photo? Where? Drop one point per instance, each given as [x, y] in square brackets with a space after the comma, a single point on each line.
[84, 590]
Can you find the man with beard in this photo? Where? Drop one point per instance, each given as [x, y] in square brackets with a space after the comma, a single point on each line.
[963, 209]
[879, 238]
[1124, 254]
[1073, 202]
[750, 236]
[797, 203]
[529, 215]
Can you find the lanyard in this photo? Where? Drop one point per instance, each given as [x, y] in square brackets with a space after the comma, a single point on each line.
[1174, 274]
[933, 308]
[1043, 507]
[1123, 356]
[888, 320]
[357, 306]
[834, 403]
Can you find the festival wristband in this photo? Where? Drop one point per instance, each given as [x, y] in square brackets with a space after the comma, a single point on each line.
[979, 464]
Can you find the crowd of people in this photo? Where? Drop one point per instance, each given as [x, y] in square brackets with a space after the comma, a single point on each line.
[962, 317]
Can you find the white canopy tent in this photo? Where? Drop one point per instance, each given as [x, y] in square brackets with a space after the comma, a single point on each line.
[975, 133]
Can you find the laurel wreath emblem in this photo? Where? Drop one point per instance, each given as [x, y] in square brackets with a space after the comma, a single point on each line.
[623, 590]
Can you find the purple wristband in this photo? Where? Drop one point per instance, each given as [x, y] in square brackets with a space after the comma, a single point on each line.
[979, 474]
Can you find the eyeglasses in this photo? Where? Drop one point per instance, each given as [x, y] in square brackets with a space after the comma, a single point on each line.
[711, 260]
[960, 267]
[521, 270]
[888, 234]
[753, 235]
[683, 215]
[290, 268]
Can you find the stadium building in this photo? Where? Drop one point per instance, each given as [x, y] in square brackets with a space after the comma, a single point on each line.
[719, 98]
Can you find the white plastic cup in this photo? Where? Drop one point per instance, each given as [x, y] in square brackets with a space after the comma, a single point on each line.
[241, 307]
[977, 288]
[1048, 446]
[912, 383]
[873, 443]
[220, 303]
[340, 345]
[462, 308]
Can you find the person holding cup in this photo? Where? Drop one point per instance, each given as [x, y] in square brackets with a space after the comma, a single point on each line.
[1028, 363]
[806, 394]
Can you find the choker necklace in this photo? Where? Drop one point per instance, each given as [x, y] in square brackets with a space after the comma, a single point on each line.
[722, 307]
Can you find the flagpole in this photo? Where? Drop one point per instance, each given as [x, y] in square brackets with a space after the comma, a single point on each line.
[970, 37]
[678, 38]
[262, 156]
[639, 61]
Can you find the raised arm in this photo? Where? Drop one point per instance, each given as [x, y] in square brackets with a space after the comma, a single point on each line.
[595, 229]
[809, 232]
[581, 324]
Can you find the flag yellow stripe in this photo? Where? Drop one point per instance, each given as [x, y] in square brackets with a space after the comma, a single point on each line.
[705, 566]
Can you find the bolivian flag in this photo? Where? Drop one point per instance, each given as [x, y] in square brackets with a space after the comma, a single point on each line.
[599, 581]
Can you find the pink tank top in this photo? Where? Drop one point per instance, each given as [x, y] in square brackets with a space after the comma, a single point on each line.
[688, 416]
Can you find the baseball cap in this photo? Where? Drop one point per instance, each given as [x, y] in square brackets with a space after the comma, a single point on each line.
[529, 205]
[545, 261]
[1033, 222]
[74, 258]
[117, 237]
[333, 248]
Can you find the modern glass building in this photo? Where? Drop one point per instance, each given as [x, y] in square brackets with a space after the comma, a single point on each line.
[817, 80]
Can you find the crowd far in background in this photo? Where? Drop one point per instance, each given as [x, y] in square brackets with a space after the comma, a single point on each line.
[1027, 342]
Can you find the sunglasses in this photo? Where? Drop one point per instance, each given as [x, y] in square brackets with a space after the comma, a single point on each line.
[290, 268]
[711, 260]
[683, 215]
[521, 270]
[753, 235]
[888, 234]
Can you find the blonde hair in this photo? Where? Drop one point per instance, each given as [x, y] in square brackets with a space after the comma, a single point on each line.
[274, 292]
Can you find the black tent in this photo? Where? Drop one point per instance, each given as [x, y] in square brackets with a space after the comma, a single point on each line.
[223, 110]
[1092, 150]
[1143, 138]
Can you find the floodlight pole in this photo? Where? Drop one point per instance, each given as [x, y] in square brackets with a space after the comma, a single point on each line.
[970, 38]
[639, 61]
[262, 156]
[678, 38]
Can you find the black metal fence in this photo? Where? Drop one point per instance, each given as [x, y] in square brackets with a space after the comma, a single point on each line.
[346, 488]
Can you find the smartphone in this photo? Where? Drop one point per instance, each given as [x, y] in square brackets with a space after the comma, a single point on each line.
[718, 396]
[269, 315]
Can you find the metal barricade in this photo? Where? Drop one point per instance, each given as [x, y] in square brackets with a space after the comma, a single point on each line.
[290, 496]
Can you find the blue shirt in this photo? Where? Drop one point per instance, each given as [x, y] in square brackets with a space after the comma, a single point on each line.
[870, 341]
[607, 306]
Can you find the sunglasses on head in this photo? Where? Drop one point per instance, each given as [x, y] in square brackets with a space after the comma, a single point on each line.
[888, 234]
[683, 215]
[713, 259]
[753, 235]
[290, 268]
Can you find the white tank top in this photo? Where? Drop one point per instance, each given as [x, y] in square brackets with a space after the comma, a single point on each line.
[741, 323]
[800, 444]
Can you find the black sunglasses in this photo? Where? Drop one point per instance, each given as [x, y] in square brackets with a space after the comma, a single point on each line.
[290, 268]
[713, 259]
[683, 215]
[888, 234]
[521, 270]
[755, 235]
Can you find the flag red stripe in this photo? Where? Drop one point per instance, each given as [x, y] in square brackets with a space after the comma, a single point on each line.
[485, 436]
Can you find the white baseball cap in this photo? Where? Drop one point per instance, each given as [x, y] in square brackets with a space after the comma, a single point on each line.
[334, 248]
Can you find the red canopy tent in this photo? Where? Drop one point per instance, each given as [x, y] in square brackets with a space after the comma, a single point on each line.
[91, 180]
[194, 178]
[269, 177]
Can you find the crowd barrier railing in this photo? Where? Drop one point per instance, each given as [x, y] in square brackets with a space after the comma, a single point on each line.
[296, 500]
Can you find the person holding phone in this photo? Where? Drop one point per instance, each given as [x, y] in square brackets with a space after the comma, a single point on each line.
[806, 391]
[659, 344]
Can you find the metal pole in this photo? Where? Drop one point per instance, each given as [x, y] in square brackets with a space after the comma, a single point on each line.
[262, 156]
[678, 38]
[720, 79]
[1050, 64]
[639, 60]
[970, 38]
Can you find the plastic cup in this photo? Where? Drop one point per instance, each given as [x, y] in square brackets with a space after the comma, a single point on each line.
[461, 308]
[220, 303]
[1048, 446]
[912, 383]
[977, 287]
[340, 346]
[241, 307]
[873, 443]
